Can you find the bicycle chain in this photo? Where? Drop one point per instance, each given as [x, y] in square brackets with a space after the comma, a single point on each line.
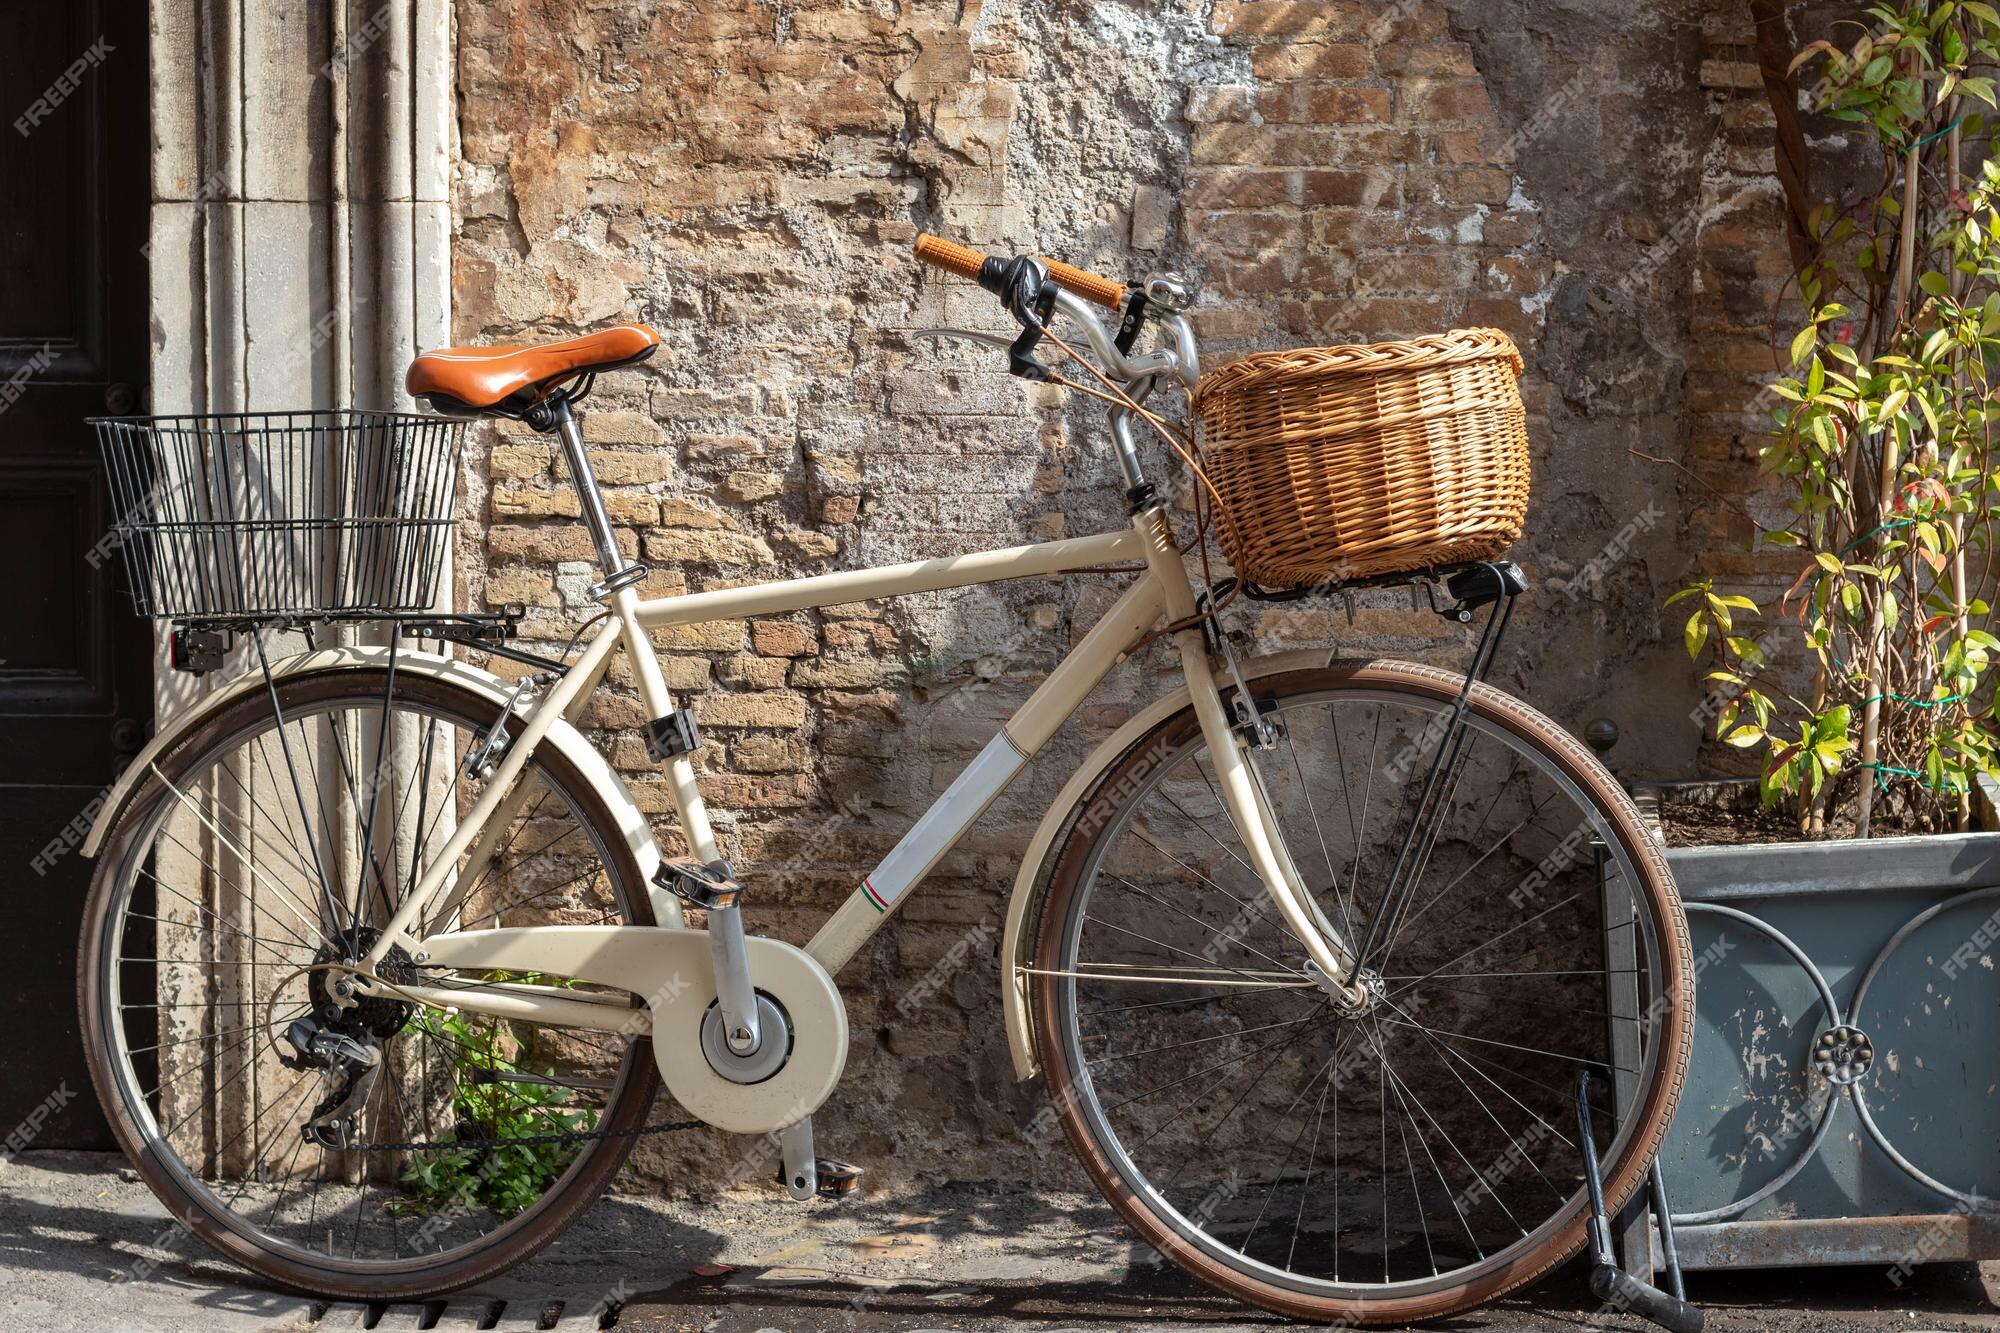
[532, 1140]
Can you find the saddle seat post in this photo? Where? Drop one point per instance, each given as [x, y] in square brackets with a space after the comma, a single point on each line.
[556, 414]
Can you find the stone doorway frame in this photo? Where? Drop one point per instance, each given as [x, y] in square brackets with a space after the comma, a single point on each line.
[300, 234]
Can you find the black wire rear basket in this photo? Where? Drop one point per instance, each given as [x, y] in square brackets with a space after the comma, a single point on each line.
[282, 514]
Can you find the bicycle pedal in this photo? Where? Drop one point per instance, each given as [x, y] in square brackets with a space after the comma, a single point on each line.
[831, 1180]
[707, 886]
[837, 1180]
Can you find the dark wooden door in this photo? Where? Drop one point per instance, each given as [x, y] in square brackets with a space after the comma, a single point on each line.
[75, 674]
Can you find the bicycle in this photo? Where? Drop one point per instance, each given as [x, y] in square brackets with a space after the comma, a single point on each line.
[383, 967]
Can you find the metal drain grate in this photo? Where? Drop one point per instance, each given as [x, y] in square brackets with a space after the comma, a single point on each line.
[470, 1312]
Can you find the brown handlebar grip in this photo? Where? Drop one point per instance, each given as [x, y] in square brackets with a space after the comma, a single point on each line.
[967, 263]
[1086, 284]
[950, 256]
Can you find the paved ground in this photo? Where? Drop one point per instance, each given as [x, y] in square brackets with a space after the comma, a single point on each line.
[84, 1249]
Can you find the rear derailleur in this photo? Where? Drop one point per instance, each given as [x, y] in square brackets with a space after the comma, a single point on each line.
[352, 1067]
[343, 1037]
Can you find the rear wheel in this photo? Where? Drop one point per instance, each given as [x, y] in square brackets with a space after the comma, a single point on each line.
[1420, 1156]
[278, 838]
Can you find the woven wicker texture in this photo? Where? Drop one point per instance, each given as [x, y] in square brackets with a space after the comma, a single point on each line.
[1335, 463]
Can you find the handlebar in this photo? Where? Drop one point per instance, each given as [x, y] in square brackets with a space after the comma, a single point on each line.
[986, 270]
[1165, 294]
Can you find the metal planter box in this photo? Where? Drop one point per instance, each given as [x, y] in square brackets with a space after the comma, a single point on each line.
[1843, 1102]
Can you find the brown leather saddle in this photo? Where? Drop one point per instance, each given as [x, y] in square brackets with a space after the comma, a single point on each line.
[507, 381]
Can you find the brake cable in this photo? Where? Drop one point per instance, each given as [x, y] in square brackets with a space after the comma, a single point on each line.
[1117, 396]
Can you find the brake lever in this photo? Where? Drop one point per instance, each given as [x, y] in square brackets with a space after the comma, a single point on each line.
[1019, 349]
[1019, 362]
[969, 335]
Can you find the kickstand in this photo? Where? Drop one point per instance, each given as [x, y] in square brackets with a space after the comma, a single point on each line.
[1613, 1284]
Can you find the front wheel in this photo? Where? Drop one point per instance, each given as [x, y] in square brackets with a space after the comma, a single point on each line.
[1419, 1156]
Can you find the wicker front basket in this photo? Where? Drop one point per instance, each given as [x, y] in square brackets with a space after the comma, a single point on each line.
[1336, 463]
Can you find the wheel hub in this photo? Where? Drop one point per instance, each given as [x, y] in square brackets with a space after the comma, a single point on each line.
[1359, 997]
[339, 1007]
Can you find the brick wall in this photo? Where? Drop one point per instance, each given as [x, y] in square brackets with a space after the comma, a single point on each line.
[747, 179]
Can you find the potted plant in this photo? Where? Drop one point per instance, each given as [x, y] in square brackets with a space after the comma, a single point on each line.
[1883, 445]
[1855, 866]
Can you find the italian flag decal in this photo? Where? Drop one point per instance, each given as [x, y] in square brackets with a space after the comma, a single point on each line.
[875, 900]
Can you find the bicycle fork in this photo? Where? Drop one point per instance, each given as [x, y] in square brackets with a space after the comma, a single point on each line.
[1330, 960]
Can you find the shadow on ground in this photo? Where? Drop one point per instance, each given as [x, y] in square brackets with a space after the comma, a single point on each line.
[83, 1248]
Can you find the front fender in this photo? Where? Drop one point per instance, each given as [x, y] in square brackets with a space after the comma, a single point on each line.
[1034, 861]
[603, 779]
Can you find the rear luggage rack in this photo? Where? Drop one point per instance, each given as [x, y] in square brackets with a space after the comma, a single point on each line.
[199, 644]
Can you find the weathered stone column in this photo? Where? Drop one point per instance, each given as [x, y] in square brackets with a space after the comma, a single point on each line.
[301, 216]
[300, 255]
[301, 222]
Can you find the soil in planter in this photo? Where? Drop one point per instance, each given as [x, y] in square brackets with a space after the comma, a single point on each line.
[1731, 815]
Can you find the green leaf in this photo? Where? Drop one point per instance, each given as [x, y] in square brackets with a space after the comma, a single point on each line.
[1761, 706]
[1743, 737]
[1924, 406]
[1745, 649]
[1802, 344]
[1695, 635]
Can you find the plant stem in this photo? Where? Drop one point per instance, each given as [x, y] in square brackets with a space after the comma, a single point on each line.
[1958, 598]
[1885, 499]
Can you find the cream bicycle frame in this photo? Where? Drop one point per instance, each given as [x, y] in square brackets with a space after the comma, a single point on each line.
[1163, 590]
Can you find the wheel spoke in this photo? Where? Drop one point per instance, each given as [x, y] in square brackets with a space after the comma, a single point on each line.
[1319, 836]
[1183, 912]
[1417, 915]
[1237, 971]
[297, 909]
[1509, 1045]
